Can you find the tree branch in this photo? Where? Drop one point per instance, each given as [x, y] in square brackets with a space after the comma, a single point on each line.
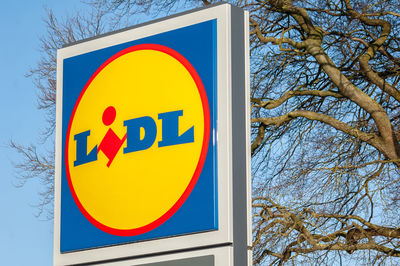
[372, 49]
[339, 125]
[275, 103]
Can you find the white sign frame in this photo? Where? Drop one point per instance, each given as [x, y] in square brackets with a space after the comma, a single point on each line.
[224, 236]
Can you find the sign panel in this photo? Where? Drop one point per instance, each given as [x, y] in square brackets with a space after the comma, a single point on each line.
[208, 257]
[143, 144]
[136, 140]
[197, 261]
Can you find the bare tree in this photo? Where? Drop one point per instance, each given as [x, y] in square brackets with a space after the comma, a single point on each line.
[326, 136]
[325, 122]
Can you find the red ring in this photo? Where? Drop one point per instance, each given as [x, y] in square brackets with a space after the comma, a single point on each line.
[199, 167]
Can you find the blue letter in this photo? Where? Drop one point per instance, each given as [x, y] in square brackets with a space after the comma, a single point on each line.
[170, 130]
[82, 156]
[133, 141]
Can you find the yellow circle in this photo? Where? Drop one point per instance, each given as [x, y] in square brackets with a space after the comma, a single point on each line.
[138, 187]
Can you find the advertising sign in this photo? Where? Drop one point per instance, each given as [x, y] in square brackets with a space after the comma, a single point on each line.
[144, 161]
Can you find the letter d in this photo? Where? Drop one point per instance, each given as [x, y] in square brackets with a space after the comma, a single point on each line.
[133, 141]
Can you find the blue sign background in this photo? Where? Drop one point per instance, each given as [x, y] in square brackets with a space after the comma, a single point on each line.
[199, 213]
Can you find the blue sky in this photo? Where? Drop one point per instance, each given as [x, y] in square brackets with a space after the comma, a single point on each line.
[24, 239]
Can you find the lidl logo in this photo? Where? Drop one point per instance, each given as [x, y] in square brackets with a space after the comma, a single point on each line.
[137, 139]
